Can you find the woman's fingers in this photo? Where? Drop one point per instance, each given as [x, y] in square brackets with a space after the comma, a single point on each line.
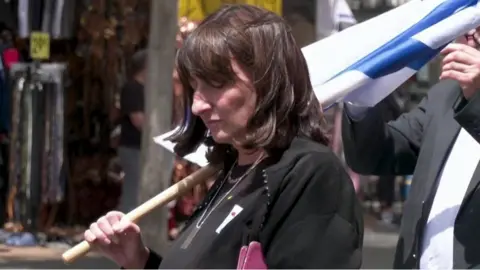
[456, 66]
[105, 225]
[89, 236]
[100, 236]
[132, 229]
[114, 227]
[125, 225]
[114, 217]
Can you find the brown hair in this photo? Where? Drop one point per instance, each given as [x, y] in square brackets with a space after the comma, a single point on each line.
[262, 44]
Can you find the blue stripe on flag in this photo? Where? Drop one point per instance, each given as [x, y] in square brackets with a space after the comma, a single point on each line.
[403, 50]
[324, 109]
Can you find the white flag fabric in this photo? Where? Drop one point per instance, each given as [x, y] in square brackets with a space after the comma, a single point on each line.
[365, 63]
[197, 157]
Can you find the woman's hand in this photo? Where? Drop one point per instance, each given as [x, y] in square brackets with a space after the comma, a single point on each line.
[118, 239]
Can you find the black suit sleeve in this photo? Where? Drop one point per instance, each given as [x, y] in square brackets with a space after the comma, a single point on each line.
[467, 114]
[373, 146]
[317, 220]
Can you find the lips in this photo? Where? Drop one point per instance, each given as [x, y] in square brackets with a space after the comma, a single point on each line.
[213, 123]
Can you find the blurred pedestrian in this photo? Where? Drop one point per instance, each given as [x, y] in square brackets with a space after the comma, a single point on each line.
[132, 105]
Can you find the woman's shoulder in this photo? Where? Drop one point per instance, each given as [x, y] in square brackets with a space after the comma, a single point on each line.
[319, 166]
[317, 182]
[308, 163]
[305, 153]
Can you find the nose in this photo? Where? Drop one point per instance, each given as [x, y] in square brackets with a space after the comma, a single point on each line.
[200, 105]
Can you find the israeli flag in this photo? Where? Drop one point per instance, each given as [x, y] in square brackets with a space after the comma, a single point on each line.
[366, 62]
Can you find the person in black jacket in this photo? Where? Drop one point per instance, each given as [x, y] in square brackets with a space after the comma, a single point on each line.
[439, 143]
[248, 87]
[391, 108]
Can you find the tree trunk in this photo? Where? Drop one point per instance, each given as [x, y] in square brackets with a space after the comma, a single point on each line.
[156, 162]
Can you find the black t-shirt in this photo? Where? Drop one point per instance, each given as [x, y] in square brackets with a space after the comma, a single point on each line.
[204, 247]
[131, 100]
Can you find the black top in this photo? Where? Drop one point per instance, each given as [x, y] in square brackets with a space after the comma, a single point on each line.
[418, 143]
[132, 100]
[309, 217]
[199, 242]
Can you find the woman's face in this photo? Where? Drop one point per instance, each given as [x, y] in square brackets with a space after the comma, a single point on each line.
[225, 109]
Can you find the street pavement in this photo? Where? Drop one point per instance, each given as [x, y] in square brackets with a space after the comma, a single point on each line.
[379, 244]
[379, 247]
[379, 250]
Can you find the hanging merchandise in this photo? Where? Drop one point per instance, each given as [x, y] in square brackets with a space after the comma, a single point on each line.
[23, 18]
[47, 15]
[37, 143]
[8, 56]
[20, 201]
[55, 17]
[8, 14]
[53, 178]
[29, 13]
[4, 127]
[58, 18]
[64, 20]
[3, 97]
[56, 178]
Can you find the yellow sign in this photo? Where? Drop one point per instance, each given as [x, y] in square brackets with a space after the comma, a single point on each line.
[191, 9]
[197, 10]
[39, 45]
[272, 5]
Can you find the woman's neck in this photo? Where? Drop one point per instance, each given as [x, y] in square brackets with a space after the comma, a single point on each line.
[246, 157]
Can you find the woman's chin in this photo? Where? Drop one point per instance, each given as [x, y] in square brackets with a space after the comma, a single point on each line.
[220, 137]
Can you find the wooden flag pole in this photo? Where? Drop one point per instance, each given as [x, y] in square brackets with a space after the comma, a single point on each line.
[171, 193]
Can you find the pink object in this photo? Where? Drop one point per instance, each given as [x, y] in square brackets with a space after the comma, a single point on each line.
[10, 57]
[251, 257]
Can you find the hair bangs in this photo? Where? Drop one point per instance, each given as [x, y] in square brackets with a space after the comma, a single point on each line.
[205, 55]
